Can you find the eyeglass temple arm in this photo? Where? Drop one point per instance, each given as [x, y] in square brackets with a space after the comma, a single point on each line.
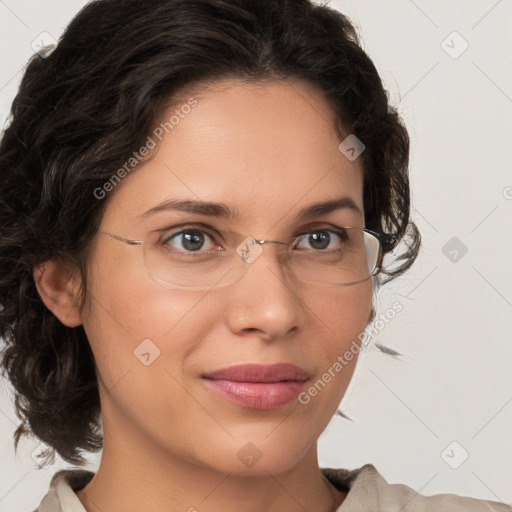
[121, 239]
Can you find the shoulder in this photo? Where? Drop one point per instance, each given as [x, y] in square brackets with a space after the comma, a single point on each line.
[61, 495]
[368, 490]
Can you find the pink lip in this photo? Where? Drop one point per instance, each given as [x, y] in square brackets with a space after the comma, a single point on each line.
[258, 386]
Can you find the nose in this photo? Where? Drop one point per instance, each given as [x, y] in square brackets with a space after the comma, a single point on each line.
[265, 299]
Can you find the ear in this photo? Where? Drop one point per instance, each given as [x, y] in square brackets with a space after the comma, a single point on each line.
[372, 315]
[58, 287]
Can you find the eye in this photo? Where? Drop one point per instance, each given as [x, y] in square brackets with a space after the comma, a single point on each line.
[321, 239]
[189, 240]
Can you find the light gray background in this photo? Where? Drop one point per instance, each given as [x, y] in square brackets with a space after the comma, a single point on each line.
[453, 382]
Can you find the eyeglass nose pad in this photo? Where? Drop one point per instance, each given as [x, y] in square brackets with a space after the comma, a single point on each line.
[249, 249]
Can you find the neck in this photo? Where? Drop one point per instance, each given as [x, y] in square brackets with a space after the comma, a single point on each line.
[134, 475]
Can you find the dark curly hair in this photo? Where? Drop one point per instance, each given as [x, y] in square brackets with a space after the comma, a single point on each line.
[83, 108]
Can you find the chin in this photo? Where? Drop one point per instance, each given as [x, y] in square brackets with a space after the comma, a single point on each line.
[262, 468]
[263, 454]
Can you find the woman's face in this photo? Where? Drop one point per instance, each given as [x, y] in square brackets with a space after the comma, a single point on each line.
[266, 151]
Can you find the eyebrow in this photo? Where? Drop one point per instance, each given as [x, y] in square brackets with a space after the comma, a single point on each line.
[223, 211]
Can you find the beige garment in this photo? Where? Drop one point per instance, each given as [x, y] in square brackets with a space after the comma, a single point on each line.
[367, 491]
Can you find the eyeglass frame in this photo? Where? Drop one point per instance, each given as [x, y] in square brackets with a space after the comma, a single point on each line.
[387, 242]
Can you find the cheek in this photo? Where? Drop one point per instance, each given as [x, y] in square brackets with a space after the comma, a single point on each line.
[344, 311]
[128, 315]
[345, 316]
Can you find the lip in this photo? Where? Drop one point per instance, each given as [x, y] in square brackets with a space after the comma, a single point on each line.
[258, 386]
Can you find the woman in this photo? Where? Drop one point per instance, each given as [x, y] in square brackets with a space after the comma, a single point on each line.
[197, 198]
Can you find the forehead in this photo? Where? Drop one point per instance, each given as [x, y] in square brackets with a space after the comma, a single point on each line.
[267, 150]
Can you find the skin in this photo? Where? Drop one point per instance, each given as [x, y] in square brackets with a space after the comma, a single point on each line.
[170, 443]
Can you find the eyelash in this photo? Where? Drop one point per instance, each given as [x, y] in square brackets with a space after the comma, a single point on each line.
[183, 229]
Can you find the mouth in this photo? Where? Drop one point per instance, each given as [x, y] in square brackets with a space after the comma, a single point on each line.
[258, 386]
